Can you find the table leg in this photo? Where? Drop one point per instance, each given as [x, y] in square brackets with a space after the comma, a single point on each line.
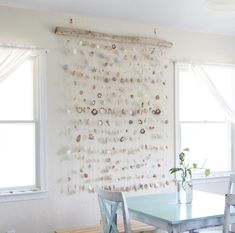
[175, 229]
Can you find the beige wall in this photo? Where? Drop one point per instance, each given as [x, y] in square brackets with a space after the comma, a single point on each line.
[35, 28]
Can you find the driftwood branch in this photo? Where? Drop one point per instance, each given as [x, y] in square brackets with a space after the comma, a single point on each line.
[113, 38]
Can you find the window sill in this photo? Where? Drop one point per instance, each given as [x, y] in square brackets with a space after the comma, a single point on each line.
[22, 196]
[212, 178]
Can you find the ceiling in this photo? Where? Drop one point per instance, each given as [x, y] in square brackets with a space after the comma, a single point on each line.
[191, 15]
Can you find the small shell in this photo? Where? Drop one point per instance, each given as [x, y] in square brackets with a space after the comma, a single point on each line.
[91, 136]
[100, 122]
[78, 138]
[94, 112]
[142, 131]
[140, 122]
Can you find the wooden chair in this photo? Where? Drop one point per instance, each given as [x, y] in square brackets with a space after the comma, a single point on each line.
[230, 191]
[229, 201]
[110, 202]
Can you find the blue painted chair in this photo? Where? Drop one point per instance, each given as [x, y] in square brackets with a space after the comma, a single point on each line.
[229, 201]
[110, 203]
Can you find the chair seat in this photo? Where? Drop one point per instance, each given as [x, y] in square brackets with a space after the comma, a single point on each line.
[136, 227]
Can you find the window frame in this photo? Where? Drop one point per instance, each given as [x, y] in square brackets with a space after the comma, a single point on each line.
[200, 178]
[39, 190]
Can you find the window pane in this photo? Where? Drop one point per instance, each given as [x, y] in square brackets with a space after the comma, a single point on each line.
[223, 79]
[17, 155]
[16, 94]
[195, 102]
[207, 142]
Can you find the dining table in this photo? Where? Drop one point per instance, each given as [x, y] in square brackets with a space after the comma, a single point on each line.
[163, 211]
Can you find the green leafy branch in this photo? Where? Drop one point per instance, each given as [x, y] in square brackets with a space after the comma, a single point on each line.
[186, 169]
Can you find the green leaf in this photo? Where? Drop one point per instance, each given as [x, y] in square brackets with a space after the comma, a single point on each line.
[175, 169]
[182, 156]
[207, 172]
[189, 172]
[186, 149]
[194, 165]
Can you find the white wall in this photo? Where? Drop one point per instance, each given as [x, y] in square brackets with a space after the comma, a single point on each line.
[36, 28]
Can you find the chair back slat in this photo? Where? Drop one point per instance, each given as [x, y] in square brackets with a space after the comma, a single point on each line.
[110, 203]
[231, 183]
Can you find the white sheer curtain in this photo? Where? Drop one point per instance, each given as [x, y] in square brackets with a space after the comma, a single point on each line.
[204, 77]
[10, 59]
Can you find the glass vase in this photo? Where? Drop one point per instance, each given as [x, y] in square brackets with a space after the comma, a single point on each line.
[185, 191]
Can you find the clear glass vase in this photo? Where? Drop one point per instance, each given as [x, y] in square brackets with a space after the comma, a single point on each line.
[185, 191]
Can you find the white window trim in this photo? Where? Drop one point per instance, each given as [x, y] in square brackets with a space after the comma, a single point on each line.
[41, 159]
[214, 177]
[42, 169]
[23, 196]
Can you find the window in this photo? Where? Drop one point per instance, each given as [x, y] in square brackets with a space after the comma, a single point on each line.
[22, 120]
[201, 124]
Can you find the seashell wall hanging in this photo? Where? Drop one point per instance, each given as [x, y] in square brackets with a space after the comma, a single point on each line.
[116, 132]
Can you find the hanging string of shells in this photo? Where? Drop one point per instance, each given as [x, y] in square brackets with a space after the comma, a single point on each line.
[115, 106]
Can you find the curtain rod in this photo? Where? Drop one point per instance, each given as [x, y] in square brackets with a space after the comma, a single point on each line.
[203, 63]
[114, 38]
[16, 46]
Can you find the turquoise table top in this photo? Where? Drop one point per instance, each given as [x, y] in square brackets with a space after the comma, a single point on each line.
[165, 207]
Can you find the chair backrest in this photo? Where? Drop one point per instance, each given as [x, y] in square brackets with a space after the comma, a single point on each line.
[110, 202]
[231, 183]
[229, 201]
